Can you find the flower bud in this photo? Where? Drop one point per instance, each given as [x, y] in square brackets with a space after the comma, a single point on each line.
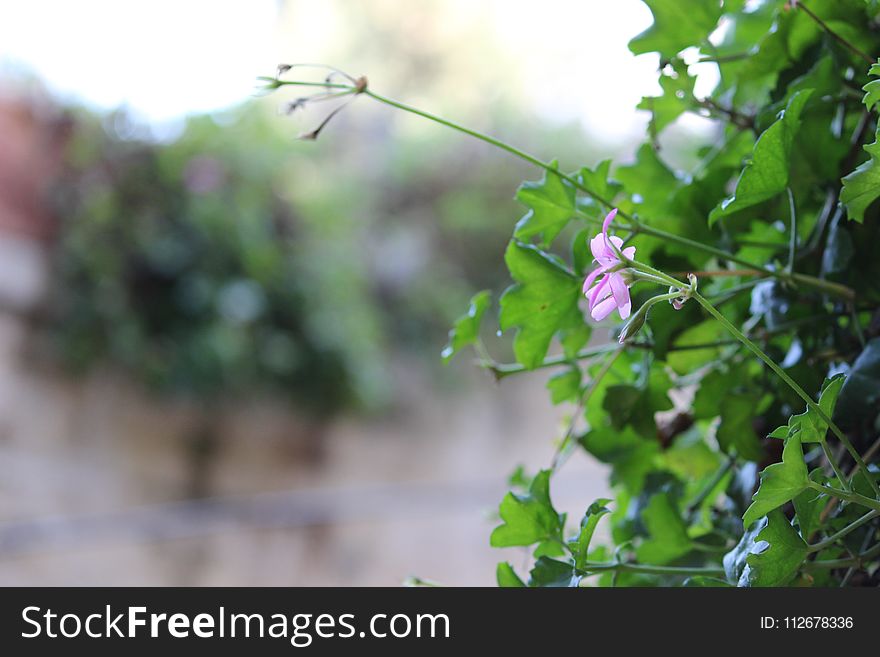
[635, 323]
[638, 318]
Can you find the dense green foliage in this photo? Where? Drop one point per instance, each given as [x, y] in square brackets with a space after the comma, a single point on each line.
[221, 263]
[778, 222]
[765, 249]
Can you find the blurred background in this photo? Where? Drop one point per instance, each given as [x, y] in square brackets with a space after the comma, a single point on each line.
[219, 345]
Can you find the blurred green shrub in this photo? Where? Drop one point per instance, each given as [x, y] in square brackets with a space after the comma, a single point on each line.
[223, 261]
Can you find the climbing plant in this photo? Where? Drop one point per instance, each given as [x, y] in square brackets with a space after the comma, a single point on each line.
[715, 329]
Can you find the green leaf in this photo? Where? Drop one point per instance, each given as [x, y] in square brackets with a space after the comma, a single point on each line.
[530, 518]
[809, 505]
[622, 401]
[777, 554]
[668, 538]
[629, 404]
[735, 561]
[574, 336]
[551, 206]
[770, 237]
[636, 405]
[677, 98]
[809, 425]
[564, 386]
[701, 581]
[677, 25]
[872, 92]
[839, 250]
[684, 358]
[507, 577]
[862, 186]
[872, 89]
[581, 256]
[860, 394]
[466, 329]
[771, 51]
[772, 300]
[768, 173]
[552, 573]
[631, 456]
[691, 458]
[598, 182]
[780, 482]
[726, 379]
[543, 300]
[580, 546]
[735, 432]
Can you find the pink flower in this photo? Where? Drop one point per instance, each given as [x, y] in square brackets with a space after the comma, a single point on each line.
[612, 291]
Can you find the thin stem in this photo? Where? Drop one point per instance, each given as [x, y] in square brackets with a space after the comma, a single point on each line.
[650, 569]
[857, 327]
[739, 335]
[853, 497]
[635, 225]
[852, 569]
[720, 273]
[856, 562]
[501, 370]
[831, 540]
[582, 403]
[834, 289]
[513, 150]
[793, 240]
[726, 467]
[835, 465]
[867, 456]
[730, 293]
[274, 82]
[721, 59]
[738, 119]
[834, 35]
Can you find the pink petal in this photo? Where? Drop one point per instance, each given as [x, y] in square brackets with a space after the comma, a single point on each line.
[598, 248]
[601, 310]
[629, 252]
[608, 219]
[599, 292]
[592, 277]
[605, 225]
[621, 294]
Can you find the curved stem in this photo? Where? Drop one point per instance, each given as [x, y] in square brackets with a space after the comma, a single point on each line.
[726, 467]
[638, 227]
[582, 403]
[594, 567]
[275, 82]
[720, 273]
[834, 35]
[501, 370]
[828, 287]
[513, 150]
[792, 243]
[853, 497]
[755, 349]
[831, 540]
[835, 465]
[852, 562]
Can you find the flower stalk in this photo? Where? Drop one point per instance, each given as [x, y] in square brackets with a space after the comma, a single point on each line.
[638, 227]
[755, 349]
